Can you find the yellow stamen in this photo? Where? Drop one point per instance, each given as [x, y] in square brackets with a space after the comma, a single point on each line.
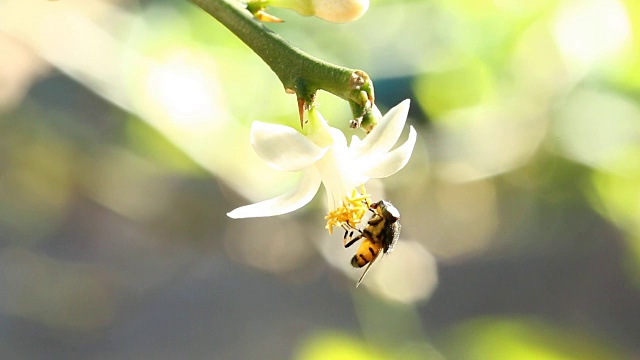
[364, 191]
[350, 211]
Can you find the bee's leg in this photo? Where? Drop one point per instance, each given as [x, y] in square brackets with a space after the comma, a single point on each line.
[351, 239]
[346, 233]
[348, 239]
[347, 227]
[375, 219]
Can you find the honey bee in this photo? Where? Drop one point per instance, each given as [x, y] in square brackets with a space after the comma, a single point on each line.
[380, 235]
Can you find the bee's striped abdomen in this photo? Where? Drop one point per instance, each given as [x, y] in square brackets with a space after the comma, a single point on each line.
[365, 254]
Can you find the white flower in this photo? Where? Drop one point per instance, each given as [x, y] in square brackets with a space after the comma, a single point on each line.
[324, 157]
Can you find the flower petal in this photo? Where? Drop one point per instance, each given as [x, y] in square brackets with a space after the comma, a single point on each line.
[386, 133]
[283, 148]
[291, 201]
[355, 142]
[392, 162]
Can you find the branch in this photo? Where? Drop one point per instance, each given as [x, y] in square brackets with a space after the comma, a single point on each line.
[300, 73]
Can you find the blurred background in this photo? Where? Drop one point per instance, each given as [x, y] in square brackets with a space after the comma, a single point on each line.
[124, 141]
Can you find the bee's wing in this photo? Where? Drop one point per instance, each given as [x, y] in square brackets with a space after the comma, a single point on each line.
[368, 267]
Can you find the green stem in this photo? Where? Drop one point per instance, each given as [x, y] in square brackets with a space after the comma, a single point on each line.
[299, 72]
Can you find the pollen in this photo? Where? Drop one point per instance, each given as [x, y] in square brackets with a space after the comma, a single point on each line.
[350, 212]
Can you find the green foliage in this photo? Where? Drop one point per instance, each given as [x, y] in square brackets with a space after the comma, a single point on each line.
[522, 339]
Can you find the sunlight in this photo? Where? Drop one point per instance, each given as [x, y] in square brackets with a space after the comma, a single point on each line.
[590, 31]
[182, 87]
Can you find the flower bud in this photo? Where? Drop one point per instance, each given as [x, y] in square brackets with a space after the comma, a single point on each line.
[337, 11]
[340, 11]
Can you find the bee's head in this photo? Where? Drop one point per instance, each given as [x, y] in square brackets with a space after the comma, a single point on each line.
[387, 210]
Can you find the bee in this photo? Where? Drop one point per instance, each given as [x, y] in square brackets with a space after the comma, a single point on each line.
[380, 235]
